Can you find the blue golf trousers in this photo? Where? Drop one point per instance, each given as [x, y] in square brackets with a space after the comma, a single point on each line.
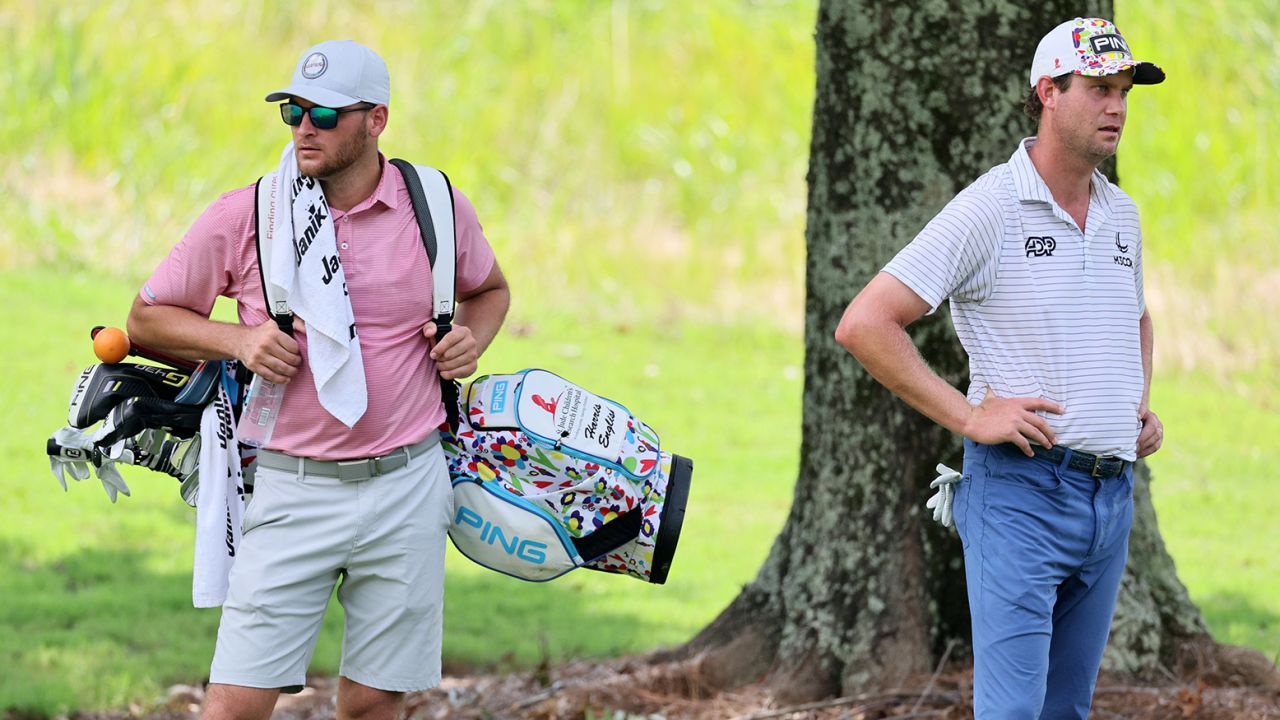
[1044, 550]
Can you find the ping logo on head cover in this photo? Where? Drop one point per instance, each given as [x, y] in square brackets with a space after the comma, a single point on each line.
[314, 66]
[1040, 246]
[1109, 43]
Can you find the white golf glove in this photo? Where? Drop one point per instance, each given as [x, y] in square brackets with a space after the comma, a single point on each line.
[79, 469]
[942, 500]
[107, 472]
[111, 480]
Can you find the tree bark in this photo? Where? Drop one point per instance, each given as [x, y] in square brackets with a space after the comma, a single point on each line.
[861, 589]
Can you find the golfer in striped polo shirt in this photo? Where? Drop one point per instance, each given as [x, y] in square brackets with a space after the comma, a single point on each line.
[1041, 260]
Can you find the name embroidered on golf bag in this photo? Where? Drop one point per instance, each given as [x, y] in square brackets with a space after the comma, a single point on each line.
[548, 477]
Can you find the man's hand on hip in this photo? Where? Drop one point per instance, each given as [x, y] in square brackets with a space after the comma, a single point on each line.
[1013, 420]
[271, 353]
[456, 354]
[1151, 437]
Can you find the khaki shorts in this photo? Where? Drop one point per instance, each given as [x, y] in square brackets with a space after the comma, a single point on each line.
[382, 538]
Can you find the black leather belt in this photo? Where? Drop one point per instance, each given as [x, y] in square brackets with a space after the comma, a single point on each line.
[347, 470]
[1093, 465]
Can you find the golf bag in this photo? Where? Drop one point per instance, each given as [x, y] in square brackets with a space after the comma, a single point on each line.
[548, 477]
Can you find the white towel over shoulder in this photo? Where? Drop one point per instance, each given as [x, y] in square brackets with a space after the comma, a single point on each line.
[305, 270]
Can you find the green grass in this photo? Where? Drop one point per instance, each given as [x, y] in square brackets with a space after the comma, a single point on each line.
[1202, 145]
[1199, 157]
[639, 167]
[1214, 488]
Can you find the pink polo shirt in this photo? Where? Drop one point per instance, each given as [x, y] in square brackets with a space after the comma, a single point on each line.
[389, 281]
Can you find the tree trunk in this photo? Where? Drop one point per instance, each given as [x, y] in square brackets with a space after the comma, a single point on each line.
[862, 589]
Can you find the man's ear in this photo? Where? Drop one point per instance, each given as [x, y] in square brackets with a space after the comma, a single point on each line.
[377, 120]
[1047, 91]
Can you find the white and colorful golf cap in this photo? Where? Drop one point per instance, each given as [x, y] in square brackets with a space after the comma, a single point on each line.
[1089, 46]
[337, 73]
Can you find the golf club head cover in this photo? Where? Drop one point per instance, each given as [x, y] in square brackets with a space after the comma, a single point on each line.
[102, 387]
[548, 477]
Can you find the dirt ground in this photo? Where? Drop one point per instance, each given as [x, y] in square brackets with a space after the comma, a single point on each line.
[637, 689]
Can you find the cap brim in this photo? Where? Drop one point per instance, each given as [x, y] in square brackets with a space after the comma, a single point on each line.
[313, 94]
[1144, 73]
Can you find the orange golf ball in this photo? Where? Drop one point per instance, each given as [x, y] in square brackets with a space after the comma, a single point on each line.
[111, 345]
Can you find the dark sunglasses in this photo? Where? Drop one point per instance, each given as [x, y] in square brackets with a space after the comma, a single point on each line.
[322, 117]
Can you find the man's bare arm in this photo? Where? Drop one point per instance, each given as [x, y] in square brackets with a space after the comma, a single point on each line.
[1146, 341]
[873, 329]
[1151, 436]
[186, 334]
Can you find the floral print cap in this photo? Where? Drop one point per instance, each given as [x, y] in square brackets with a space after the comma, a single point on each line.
[1089, 46]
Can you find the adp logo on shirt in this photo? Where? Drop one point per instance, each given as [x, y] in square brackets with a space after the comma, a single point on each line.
[1040, 246]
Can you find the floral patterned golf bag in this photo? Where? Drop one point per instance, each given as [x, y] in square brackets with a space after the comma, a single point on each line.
[548, 477]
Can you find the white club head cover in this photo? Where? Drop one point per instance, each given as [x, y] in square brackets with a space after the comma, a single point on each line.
[942, 500]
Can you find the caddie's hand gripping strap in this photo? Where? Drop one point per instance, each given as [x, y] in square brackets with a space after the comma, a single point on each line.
[432, 199]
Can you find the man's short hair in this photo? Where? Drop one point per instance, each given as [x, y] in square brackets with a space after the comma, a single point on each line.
[1032, 105]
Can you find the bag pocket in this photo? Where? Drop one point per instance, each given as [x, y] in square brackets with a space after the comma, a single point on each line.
[568, 419]
[506, 533]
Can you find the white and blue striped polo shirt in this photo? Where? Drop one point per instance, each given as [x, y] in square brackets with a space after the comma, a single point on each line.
[1042, 309]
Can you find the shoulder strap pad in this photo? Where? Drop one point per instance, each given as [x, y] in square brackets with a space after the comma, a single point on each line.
[264, 215]
[432, 198]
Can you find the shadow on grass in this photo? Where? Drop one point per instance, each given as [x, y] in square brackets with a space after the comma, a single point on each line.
[100, 628]
[1240, 620]
[95, 628]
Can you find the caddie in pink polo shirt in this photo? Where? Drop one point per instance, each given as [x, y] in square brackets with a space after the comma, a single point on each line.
[360, 374]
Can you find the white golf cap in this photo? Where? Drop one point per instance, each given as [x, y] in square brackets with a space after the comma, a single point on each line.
[1089, 46]
[337, 73]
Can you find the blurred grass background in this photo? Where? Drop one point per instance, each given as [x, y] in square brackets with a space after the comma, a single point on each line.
[639, 167]
[613, 149]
